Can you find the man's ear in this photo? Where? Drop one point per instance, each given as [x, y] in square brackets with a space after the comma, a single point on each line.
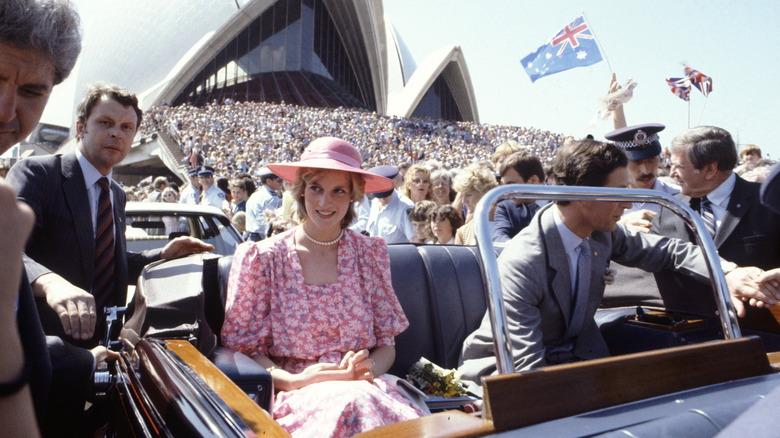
[709, 170]
[80, 130]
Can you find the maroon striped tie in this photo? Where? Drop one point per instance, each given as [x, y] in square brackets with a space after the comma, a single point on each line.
[103, 283]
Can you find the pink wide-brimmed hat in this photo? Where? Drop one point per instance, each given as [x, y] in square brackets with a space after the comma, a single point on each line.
[334, 154]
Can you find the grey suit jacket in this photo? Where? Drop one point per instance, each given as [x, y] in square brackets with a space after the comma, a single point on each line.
[63, 240]
[537, 291]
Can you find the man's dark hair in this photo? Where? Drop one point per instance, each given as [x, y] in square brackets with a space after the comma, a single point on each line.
[265, 178]
[586, 163]
[706, 144]
[525, 164]
[223, 184]
[248, 181]
[50, 27]
[94, 93]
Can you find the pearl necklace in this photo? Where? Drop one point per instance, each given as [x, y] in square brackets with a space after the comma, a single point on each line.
[320, 243]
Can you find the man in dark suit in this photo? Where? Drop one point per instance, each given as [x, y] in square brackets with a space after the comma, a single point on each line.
[67, 194]
[63, 191]
[745, 231]
[513, 215]
[39, 45]
[552, 273]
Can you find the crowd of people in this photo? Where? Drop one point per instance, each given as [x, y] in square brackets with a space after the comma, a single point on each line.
[238, 140]
[246, 136]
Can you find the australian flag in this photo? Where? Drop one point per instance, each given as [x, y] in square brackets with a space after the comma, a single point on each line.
[574, 46]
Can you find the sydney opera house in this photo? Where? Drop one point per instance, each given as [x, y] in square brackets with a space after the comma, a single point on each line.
[319, 53]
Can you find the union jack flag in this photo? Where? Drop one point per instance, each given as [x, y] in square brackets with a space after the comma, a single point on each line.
[574, 46]
[681, 87]
[571, 35]
[699, 80]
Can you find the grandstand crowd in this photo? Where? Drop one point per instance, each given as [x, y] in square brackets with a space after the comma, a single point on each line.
[246, 136]
[233, 142]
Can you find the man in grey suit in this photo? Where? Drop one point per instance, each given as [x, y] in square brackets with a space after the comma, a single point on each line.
[552, 272]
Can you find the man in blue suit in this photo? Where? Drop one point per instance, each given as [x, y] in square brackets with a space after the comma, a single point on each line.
[513, 215]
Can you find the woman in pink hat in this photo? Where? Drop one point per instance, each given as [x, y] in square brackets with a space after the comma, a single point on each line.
[315, 305]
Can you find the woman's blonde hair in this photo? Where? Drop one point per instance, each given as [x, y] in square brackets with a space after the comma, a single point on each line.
[478, 177]
[308, 175]
[409, 176]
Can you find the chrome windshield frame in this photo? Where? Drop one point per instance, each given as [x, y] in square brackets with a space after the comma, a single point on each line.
[489, 264]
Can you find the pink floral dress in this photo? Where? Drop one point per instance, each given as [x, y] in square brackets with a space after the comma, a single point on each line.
[271, 311]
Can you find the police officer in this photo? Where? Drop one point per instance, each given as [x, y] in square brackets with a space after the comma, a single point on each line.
[211, 194]
[262, 203]
[191, 193]
[643, 148]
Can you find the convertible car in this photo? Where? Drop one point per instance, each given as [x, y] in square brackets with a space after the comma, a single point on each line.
[151, 224]
[671, 374]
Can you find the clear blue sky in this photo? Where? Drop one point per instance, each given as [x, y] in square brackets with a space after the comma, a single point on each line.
[733, 41]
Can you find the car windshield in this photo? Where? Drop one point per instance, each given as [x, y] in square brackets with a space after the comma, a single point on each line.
[153, 230]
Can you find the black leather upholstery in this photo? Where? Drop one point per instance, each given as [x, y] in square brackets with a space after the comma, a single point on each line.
[249, 375]
[439, 287]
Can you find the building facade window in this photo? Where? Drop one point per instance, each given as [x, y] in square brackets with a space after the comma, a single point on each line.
[292, 53]
[438, 103]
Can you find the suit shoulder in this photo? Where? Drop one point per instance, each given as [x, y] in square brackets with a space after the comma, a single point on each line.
[743, 184]
[37, 162]
[33, 173]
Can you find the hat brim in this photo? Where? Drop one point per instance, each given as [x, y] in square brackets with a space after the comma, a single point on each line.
[374, 183]
[650, 151]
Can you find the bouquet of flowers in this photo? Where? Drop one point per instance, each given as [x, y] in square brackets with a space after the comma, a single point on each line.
[435, 380]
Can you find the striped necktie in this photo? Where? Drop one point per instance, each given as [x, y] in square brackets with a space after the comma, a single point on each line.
[705, 211]
[103, 281]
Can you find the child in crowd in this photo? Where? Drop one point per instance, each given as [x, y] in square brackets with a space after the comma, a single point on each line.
[421, 223]
[445, 221]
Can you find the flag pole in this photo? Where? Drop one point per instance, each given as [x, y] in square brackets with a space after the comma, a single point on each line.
[689, 113]
[701, 116]
[603, 52]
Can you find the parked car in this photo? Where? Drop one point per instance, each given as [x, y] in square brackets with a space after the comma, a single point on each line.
[672, 373]
[151, 224]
